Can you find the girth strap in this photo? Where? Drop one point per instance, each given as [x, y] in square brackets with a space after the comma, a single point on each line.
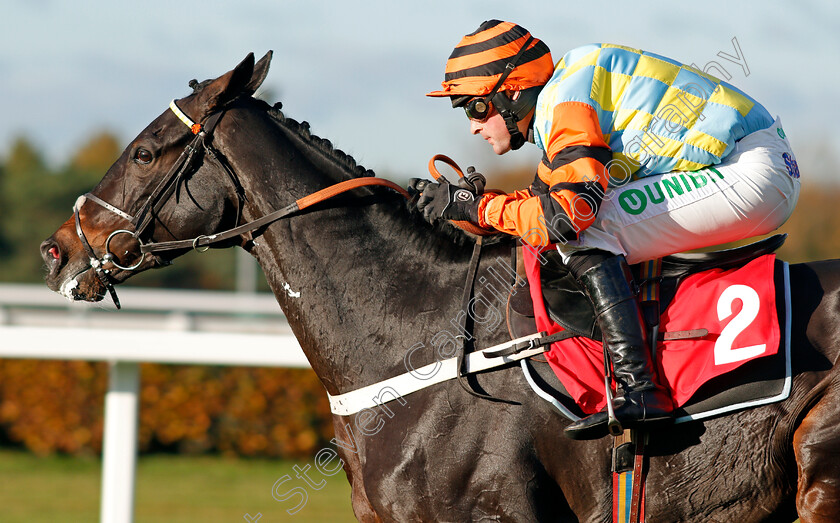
[417, 379]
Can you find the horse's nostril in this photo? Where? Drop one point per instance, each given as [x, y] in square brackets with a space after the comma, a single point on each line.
[50, 251]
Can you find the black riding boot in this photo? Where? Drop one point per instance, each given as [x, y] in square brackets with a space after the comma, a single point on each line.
[618, 316]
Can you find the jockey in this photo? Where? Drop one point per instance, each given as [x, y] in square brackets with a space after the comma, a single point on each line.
[642, 157]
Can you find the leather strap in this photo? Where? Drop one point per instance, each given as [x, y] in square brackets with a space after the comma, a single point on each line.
[638, 478]
[371, 396]
[93, 260]
[628, 476]
[293, 208]
[469, 227]
[530, 344]
[466, 296]
[96, 199]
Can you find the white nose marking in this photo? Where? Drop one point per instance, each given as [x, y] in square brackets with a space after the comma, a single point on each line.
[67, 287]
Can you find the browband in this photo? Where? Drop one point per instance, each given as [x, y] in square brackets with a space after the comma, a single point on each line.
[194, 127]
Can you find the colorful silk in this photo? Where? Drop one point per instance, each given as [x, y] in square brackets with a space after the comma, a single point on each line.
[656, 114]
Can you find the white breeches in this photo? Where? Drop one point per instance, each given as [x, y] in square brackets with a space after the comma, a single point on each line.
[752, 192]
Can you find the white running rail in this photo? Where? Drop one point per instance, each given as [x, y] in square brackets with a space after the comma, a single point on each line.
[158, 326]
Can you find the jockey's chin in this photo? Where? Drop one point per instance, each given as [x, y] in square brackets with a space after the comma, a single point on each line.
[499, 141]
[500, 146]
[494, 130]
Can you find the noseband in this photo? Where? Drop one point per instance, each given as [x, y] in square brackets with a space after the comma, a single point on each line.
[182, 167]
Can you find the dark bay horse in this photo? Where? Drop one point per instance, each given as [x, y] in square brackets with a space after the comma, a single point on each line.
[365, 282]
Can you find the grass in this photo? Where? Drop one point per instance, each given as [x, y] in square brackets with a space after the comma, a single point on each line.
[169, 489]
[59, 489]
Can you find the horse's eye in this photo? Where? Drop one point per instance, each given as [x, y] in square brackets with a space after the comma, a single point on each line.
[142, 156]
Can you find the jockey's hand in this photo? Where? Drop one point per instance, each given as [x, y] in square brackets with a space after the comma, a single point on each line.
[451, 202]
[416, 185]
[473, 181]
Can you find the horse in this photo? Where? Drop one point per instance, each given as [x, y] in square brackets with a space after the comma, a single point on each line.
[366, 283]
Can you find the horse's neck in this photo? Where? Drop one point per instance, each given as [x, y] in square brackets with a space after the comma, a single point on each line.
[356, 282]
[352, 293]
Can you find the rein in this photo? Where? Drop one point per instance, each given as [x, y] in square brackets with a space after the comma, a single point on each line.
[289, 210]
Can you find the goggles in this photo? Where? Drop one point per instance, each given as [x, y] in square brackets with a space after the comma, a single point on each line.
[478, 108]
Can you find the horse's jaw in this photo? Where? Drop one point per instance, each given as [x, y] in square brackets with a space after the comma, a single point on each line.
[77, 282]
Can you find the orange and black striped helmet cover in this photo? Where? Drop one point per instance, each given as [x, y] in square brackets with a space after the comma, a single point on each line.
[480, 58]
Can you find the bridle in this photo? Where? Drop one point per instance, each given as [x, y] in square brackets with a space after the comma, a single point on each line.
[202, 141]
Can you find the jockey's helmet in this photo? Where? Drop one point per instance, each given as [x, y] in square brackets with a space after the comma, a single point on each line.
[497, 57]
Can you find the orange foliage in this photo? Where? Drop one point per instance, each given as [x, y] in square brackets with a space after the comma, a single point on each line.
[58, 407]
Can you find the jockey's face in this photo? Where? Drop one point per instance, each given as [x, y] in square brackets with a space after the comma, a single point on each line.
[494, 130]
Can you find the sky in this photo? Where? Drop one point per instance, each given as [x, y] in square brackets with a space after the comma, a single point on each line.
[359, 71]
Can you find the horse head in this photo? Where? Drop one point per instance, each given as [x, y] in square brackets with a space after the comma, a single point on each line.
[169, 184]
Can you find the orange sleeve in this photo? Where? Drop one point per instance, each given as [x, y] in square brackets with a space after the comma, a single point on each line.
[518, 213]
[572, 176]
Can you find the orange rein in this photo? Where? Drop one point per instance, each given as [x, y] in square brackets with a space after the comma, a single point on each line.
[469, 227]
[334, 190]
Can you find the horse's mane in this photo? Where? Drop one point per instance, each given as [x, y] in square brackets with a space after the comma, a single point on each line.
[348, 165]
[339, 158]
[345, 164]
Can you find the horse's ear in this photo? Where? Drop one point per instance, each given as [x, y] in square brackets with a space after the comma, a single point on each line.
[259, 74]
[225, 88]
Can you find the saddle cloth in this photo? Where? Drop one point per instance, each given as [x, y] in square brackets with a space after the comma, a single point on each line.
[736, 364]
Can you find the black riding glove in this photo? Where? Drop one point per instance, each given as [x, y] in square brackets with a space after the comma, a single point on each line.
[416, 185]
[451, 202]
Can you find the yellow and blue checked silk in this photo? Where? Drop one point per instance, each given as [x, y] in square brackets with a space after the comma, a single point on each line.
[656, 114]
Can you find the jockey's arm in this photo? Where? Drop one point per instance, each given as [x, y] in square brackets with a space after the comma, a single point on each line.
[572, 179]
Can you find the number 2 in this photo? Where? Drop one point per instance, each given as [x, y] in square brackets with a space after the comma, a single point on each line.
[724, 352]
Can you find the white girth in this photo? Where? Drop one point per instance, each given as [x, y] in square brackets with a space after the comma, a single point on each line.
[426, 376]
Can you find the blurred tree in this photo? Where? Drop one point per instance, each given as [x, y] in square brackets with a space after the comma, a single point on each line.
[24, 158]
[24, 186]
[97, 155]
[5, 242]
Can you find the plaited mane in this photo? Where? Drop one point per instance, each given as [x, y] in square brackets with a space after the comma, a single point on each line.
[347, 164]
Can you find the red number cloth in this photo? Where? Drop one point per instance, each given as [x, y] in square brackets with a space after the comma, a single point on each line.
[737, 306]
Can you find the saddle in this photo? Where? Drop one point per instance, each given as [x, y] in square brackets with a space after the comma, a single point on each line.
[569, 307]
[760, 381]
